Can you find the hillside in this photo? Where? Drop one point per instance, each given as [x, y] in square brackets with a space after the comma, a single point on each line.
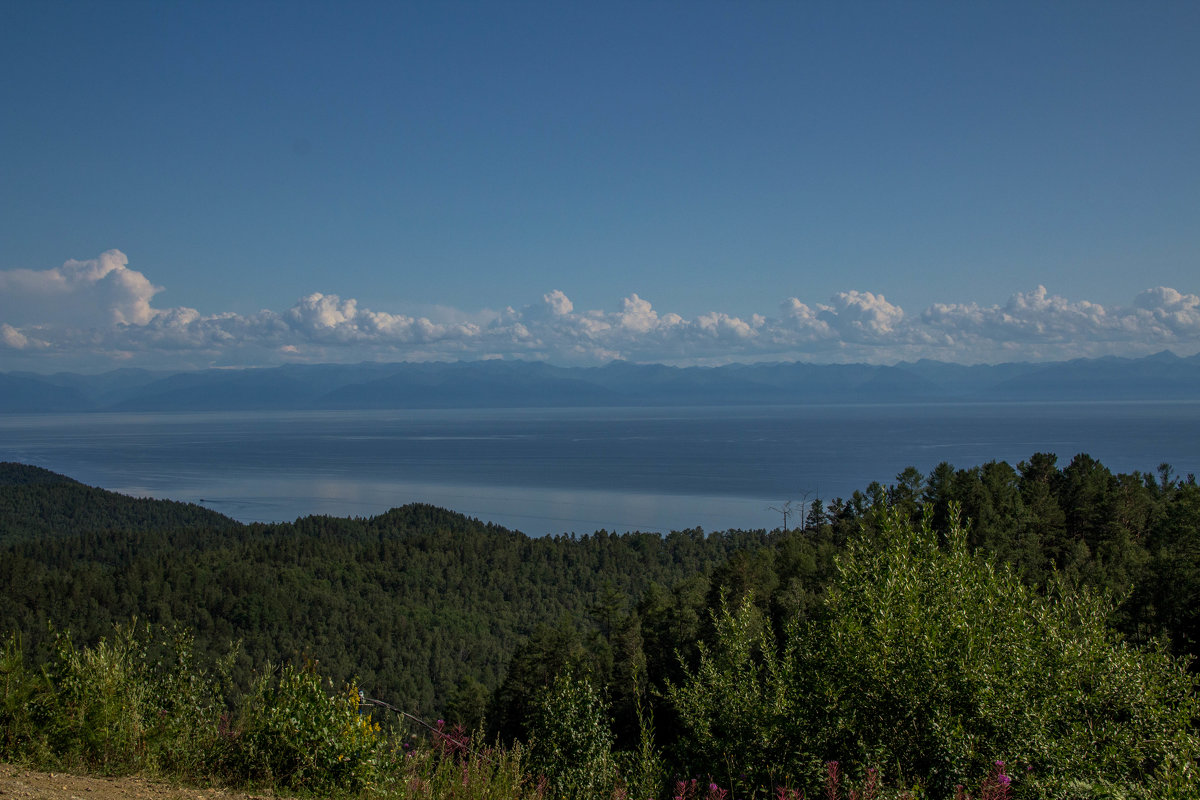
[37, 503]
[442, 615]
[428, 607]
[412, 602]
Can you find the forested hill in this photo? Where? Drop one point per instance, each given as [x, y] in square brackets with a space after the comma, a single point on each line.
[439, 612]
[414, 602]
[36, 502]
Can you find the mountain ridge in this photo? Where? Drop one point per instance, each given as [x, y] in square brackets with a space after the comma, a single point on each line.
[530, 384]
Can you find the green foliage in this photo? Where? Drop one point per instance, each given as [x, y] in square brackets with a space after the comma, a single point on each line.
[415, 604]
[939, 661]
[106, 703]
[24, 690]
[135, 702]
[466, 774]
[570, 742]
[881, 634]
[737, 705]
[644, 768]
[35, 502]
[934, 662]
[191, 702]
[293, 733]
[138, 702]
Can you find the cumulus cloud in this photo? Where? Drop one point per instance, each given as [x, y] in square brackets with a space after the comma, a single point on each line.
[558, 303]
[1050, 326]
[97, 291]
[101, 309]
[637, 315]
[862, 315]
[11, 337]
[1167, 312]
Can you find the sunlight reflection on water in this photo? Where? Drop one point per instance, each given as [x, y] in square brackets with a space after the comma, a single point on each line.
[558, 470]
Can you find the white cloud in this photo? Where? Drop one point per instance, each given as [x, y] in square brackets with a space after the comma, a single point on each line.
[318, 313]
[97, 291]
[11, 337]
[1045, 323]
[862, 316]
[637, 315]
[1168, 312]
[722, 326]
[558, 303]
[89, 312]
[800, 323]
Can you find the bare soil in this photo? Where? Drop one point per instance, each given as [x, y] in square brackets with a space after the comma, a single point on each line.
[18, 783]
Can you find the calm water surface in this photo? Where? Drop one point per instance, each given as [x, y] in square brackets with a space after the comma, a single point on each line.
[556, 470]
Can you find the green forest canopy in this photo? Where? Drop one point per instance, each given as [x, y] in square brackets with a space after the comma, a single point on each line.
[421, 602]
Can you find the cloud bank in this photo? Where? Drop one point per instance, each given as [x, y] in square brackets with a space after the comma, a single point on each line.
[99, 312]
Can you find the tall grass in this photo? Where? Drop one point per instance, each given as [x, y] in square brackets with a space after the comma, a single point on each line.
[134, 702]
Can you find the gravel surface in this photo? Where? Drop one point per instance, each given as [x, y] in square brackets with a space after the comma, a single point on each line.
[18, 783]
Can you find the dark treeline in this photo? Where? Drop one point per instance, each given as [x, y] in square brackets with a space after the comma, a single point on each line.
[1134, 538]
[446, 615]
[422, 605]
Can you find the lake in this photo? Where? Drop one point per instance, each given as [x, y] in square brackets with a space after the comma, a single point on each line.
[549, 471]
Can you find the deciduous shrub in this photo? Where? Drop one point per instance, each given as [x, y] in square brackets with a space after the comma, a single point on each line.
[571, 741]
[294, 733]
[22, 698]
[931, 663]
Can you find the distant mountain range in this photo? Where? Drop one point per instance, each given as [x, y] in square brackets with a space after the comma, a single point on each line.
[509, 384]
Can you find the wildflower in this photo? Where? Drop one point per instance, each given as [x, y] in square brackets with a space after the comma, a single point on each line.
[684, 790]
[870, 789]
[832, 780]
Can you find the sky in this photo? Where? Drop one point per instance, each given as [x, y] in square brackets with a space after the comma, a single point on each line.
[227, 184]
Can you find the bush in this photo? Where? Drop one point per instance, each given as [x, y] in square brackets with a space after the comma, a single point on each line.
[104, 703]
[138, 702]
[22, 693]
[294, 734]
[571, 743]
[738, 705]
[135, 702]
[191, 703]
[933, 663]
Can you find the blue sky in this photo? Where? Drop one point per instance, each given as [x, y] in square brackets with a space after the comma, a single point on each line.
[220, 183]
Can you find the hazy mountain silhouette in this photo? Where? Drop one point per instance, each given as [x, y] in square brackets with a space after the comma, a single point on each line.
[483, 384]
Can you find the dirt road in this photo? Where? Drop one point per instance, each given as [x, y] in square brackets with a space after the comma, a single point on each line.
[18, 783]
